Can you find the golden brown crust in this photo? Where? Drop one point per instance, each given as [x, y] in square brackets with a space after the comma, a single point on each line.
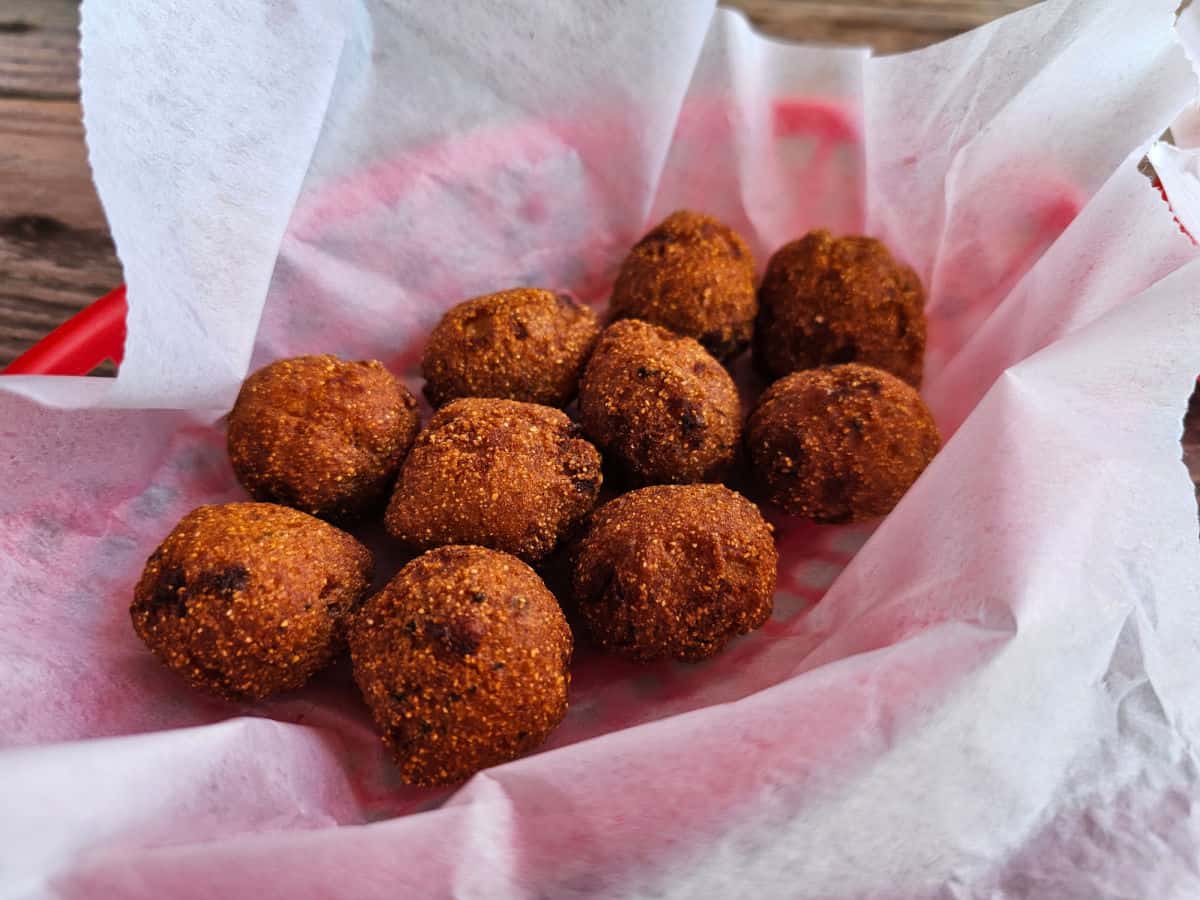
[321, 435]
[694, 275]
[511, 476]
[661, 404]
[462, 660]
[675, 571]
[524, 344]
[246, 600]
[840, 444]
[827, 300]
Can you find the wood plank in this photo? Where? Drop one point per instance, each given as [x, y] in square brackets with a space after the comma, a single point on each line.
[39, 56]
[43, 163]
[56, 255]
[886, 26]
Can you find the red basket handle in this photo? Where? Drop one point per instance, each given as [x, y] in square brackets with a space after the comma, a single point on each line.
[81, 343]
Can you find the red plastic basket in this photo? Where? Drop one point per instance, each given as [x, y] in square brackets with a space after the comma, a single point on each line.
[78, 345]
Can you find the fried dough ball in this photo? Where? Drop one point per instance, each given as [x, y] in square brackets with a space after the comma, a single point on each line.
[660, 404]
[827, 300]
[693, 275]
[675, 571]
[462, 660]
[511, 476]
[840, 444]
[247, 599]
[322, 435]
[524, 344]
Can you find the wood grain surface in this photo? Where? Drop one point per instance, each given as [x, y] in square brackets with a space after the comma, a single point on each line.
[55, 252]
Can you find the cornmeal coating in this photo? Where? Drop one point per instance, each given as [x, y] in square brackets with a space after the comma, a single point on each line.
[525, 344]
[675, 571]
[322, 435]
[510, 476]
[660, 404]
[462, 660]
[247, 599]
[840, 444]
[694, 275]
[827, 300]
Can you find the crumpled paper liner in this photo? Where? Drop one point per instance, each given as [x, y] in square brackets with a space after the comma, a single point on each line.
[993, 696]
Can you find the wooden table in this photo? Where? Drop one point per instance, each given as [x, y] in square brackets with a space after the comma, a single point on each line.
[55, 252]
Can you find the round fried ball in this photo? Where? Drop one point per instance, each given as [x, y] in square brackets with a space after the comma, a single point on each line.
[660, 404]
[502, 474]
[524, 344]
[247, 599]
[827, 300]
[675, 571]
[462, 660]
[693, 275]
[840, 444]
[322, 435]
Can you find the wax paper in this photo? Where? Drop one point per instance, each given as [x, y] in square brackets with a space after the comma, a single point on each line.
[991, 694]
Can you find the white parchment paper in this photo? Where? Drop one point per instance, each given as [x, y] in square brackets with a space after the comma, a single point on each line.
[993, 695]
